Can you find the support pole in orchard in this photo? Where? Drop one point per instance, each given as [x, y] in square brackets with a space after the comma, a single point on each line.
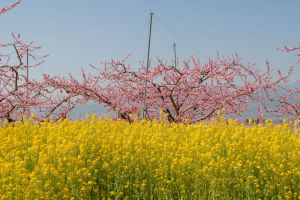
[147, 66]
[175, 59]
[27, 74]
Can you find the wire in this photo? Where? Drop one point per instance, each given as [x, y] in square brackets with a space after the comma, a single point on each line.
[131, 38]
[140, 44]
[187, 45]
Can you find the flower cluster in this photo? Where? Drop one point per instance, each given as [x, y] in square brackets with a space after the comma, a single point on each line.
[104, 159]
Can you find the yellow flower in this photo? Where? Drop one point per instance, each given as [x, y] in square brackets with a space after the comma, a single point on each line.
[102, 158]
[250, 121]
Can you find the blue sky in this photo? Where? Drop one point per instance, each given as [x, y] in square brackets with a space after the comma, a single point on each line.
[76, 33]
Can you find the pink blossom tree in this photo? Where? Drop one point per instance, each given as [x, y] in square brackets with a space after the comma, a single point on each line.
[286, 99]
[5, 9]
[20, 96]
[192, 91]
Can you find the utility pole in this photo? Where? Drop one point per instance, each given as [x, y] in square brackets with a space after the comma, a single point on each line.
[175, 58]
[147, 66]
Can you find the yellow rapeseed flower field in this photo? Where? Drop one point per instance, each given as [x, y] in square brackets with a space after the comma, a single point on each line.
[104, 159]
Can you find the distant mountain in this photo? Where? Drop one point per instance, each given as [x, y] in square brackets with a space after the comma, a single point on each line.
[81, 110]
